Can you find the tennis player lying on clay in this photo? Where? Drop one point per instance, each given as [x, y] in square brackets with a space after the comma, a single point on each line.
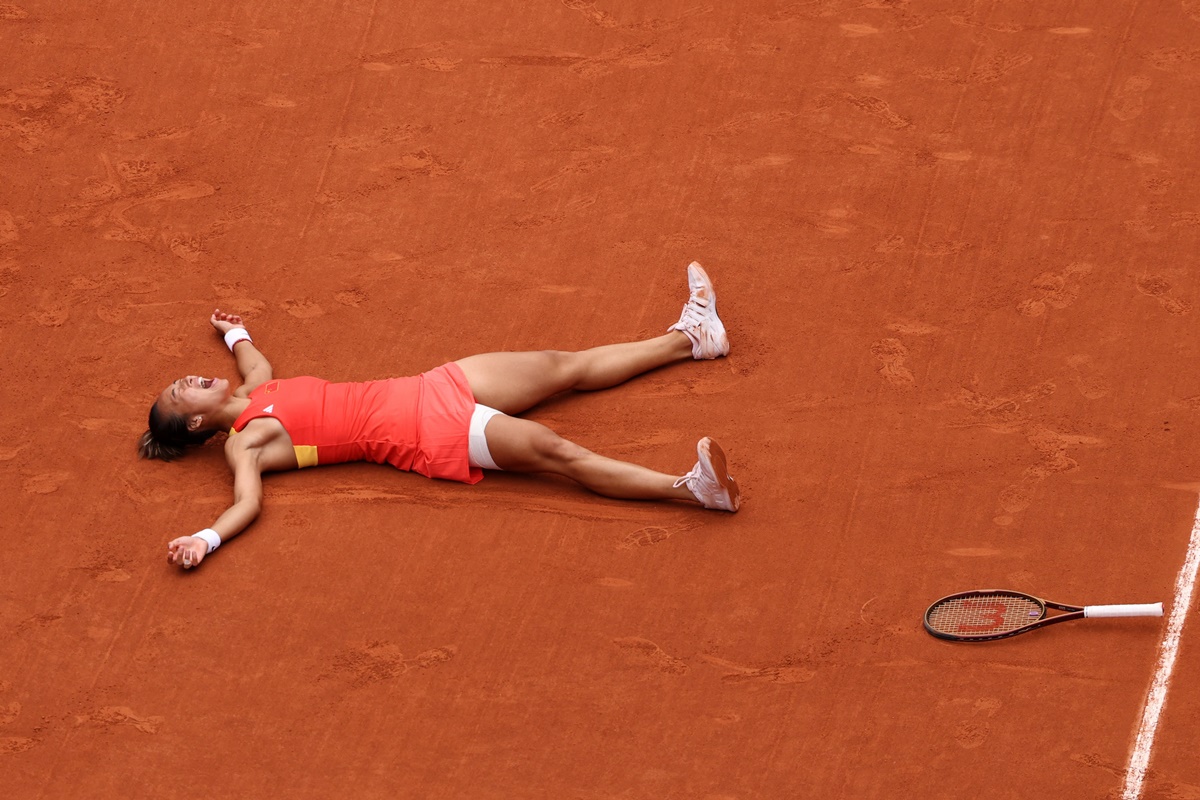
[452, 422]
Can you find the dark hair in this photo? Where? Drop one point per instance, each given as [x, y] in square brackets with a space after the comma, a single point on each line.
[168, 436]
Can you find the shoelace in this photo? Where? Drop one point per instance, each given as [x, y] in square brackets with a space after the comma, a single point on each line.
[694, 311]
[696, 474]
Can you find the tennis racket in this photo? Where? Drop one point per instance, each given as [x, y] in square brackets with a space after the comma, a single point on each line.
[985, 615]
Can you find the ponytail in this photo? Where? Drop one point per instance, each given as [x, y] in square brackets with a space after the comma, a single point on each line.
[168, 436]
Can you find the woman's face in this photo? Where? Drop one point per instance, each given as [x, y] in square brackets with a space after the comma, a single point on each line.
[194, 396]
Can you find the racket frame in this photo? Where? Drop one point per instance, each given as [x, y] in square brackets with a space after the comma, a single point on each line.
[1072, 612]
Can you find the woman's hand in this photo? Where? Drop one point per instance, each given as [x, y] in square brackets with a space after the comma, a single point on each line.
[224, 323]
[187, 551]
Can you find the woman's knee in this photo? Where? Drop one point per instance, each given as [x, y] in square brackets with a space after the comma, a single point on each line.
[555, 453]
[523, 445]
[563, 365]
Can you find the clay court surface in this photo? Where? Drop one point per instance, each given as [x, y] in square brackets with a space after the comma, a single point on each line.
[954, 245]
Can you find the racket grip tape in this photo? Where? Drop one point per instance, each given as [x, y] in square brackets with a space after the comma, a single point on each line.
[1133, 610]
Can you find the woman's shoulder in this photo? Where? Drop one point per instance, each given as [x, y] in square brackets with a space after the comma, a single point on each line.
[267, 436]
[256, 432]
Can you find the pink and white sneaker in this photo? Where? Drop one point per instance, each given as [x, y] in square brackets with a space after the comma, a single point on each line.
[699, 320]
[710, 480]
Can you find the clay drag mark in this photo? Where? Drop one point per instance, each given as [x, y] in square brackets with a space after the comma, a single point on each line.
[1055, 290]
[1088, 378]
[10, 745]
[10, 714]
[646, 653]
[382, 661]
[891, 355]
[783, 673]
[634, 56]
[880, 109]
[1162, 291]
[115, 716]
[1128, 101]
[591, 13]
[991, 69]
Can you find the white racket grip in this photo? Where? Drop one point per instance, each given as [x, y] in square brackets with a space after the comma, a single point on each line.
[1133, 610]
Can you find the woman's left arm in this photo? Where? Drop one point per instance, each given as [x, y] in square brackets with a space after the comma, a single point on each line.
[252, 364]
[189, 551]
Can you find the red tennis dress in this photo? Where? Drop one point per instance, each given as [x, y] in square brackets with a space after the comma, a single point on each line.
[419, 423]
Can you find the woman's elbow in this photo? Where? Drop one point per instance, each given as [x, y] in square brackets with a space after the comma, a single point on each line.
[251, 507]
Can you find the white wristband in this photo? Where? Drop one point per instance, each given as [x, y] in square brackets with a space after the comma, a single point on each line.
[211, 537]
[235, 335]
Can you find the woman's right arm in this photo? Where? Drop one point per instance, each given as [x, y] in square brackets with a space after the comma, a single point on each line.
[252, 364]
[189, 551]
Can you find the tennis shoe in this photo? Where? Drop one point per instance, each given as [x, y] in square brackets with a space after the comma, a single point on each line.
[710, 480]
[699, 320]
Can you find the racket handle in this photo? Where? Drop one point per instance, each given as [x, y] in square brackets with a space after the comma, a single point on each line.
[1134, 610]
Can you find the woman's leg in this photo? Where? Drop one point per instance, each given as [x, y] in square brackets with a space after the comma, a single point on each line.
[521, 445]
[514, 382]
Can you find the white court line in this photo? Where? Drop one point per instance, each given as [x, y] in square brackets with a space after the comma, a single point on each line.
[1139, 760]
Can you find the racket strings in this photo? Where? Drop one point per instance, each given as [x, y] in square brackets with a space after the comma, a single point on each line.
[983, 614]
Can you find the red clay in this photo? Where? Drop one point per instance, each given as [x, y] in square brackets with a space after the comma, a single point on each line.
[954, 246]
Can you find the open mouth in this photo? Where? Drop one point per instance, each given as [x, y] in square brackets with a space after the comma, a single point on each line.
[206, 383]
